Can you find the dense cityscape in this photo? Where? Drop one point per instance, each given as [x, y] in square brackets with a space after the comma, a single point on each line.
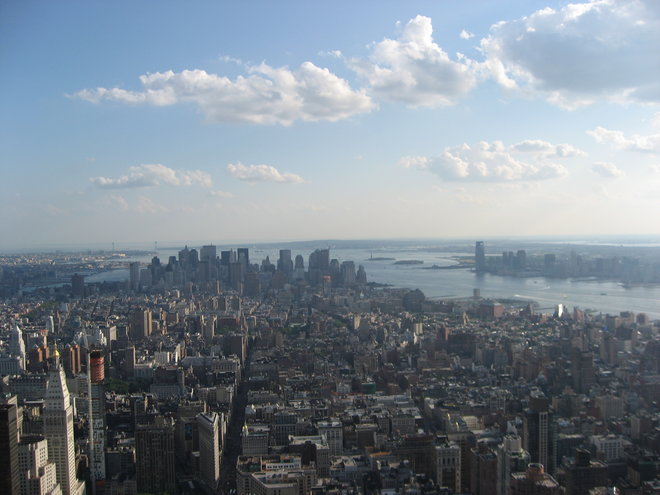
[214, 372]
[330, 248]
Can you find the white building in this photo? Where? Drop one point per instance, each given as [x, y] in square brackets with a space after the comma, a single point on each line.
[38, 473]
[58, 430]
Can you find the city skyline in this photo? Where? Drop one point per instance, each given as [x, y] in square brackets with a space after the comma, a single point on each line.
[136, 123]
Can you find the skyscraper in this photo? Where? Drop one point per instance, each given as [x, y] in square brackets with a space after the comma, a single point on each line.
[209, 447]
[78, 285]
[539, 432]
[511, 458]
[17, 345]
[243, 255]
[479, 256]
[284, 263]
[39, 473]
[208, 253]
[58, 430]
[9, 472]
[154, 453]
[134, 274]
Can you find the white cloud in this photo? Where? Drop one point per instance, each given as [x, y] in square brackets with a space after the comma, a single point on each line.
[495, 162]
[414, 70]
[466, 35]
[420, 162]
[605, 169]
[548, 149]
[261, 173]
[601, 49]
[151, 175]
[636, 142]
[220, 194]
[266, 95]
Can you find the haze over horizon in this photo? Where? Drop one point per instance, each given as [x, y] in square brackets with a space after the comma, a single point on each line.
[136, 122]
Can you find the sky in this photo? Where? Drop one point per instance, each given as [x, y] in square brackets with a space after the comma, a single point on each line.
[221, 122]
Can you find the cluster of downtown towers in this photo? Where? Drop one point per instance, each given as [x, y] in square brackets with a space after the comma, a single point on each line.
[234, 269]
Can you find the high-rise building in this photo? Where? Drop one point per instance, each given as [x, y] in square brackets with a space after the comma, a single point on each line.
[97, 365]
[347, 273]
[243, 257]
[582, 370]
[209, 448]
[17, 345]
[154, 453]
[511, 458]
[208, 253]
[539, 432]
[140, 322]
[236, 274]
[134, 275]
[479, 256]
[285, 263]
[9, 467]
[97, 410]
[38, 472]
[58, 430]
[78, 285]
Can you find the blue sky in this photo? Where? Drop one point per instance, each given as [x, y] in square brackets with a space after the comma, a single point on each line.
[263, 121]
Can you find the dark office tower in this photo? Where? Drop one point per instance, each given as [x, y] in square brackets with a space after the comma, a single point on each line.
[78, 285]
[10, 481]
[582, 369]
[300, 262]
[208, 253]
[236, 273]
[225, 258]
[204, 271]
[156, 270]
[183, 256]
[243, 255]
[285, 263]
[140, 322]
[193, 259]
[479, 256]
[521, 259]
[154, 455]
[134, 274]
[539, 432]
[347, 274]
[324, 260]
[361, 276]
